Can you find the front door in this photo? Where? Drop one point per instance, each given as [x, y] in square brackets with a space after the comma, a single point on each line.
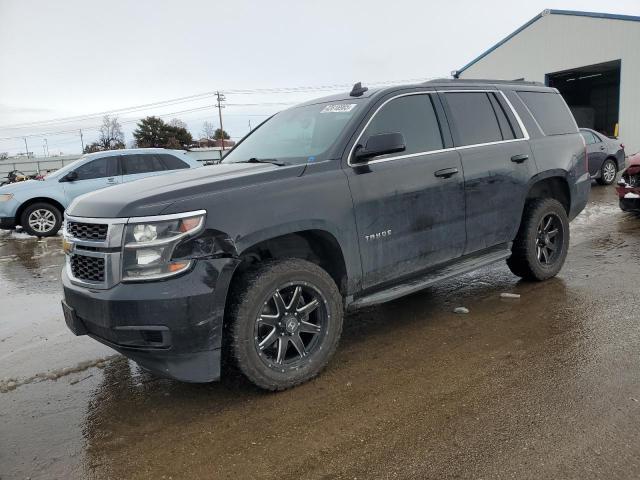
[497, 162]
[93, 175]
[409, 206]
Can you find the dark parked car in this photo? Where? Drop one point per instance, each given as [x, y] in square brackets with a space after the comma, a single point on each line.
[606, 156]
[338, 203]
[629, 186]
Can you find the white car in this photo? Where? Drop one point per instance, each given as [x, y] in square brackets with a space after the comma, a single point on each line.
[38, 205]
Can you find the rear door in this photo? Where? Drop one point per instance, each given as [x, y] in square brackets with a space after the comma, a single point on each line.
[497, 163]
[409, 206]
[93, 175]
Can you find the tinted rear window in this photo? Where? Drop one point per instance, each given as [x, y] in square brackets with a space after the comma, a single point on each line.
[134, 164]
[550, 112]
[171, 162]
[474, 118]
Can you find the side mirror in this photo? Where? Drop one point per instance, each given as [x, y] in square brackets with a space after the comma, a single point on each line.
[380, 144]
[70, 177]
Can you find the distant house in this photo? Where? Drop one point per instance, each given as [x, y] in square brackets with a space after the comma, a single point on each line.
[209, 142]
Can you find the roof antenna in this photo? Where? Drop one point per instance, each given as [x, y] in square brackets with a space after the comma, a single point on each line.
[358, 90]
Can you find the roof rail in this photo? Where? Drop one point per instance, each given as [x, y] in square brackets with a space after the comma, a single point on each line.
[484, 80]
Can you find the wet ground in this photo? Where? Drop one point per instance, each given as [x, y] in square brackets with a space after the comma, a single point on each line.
[545, 386]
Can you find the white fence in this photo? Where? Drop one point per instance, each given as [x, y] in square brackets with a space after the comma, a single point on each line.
[35, 165]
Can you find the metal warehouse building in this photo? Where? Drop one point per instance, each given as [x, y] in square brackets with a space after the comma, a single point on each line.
[593, 59]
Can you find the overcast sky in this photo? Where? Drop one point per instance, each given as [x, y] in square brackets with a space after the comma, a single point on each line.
[74, 57]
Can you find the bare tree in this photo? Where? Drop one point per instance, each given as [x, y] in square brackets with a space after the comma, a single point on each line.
[208, 130]
[111, 136]
[176, 122]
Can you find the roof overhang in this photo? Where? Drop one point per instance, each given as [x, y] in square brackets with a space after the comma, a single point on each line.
[544, 13]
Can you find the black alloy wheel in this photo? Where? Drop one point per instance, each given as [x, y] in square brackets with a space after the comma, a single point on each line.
[283, 323]
[291, 325]
[550, 239]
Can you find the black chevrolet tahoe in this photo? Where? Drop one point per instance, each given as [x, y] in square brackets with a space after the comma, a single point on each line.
[339, 203]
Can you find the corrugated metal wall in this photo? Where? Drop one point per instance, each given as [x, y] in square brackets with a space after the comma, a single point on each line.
[562, 42]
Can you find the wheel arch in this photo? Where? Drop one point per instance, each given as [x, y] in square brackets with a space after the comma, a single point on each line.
[552, 184]
[317, 245]
[31, 201]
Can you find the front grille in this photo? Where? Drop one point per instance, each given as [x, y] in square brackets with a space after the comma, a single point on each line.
[87, 231]
[87, 268]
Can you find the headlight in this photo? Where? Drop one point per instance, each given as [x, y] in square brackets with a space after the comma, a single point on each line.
[5, 197]
[149, 245]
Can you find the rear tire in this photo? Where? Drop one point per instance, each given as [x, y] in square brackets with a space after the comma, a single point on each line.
[41, 219]
[541, 245]
[284, 323]
[608, 172]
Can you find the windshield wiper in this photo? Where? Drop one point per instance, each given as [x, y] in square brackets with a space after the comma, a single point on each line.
[264, 160]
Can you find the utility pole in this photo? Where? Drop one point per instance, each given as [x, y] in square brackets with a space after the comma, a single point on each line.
[81, 141]
[219, 106]
[249, 125]
[46, 144]
[26, 146]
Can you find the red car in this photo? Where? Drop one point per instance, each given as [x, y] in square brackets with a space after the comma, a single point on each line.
[629, 185]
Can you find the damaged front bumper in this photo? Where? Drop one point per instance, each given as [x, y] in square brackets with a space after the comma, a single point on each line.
[628, 190]
[173, 327]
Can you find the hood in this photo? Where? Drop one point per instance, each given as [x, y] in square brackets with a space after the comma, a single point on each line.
[634, 160]
[27, 185]
[153, 195]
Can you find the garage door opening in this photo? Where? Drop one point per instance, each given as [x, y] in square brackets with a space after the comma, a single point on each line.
[592, 93]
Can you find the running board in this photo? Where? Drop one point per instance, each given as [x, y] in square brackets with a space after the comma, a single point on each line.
[453, 269]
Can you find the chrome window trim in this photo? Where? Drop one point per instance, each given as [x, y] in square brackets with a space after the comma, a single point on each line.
[524, 131]
[171, 216]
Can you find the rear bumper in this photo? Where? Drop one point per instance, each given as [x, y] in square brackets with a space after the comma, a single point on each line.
[173, 328]
[7, 223]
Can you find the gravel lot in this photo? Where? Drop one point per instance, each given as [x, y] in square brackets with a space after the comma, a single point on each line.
[542, 386]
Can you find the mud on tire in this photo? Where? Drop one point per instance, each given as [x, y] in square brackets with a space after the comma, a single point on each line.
[283, 323]
[541, 245]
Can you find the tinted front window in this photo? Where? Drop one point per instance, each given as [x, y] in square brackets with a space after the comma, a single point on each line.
[100, 168]
[297, 134]
[550, 111]
[135, 164]
[474, 118]
[170, 162]
[414, 117]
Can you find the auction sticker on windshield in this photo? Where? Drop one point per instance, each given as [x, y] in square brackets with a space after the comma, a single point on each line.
[338, 108]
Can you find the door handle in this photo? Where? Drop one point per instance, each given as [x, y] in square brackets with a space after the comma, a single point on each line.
[520, 158]
[602, 147]
[445, 172]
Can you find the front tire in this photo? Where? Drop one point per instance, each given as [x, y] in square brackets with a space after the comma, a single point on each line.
[41, 219]
[608, 172]
[541, 245]
[284, 322]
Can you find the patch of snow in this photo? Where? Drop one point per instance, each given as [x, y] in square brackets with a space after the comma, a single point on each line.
[510, 295]
[631, 195]
[461, 310]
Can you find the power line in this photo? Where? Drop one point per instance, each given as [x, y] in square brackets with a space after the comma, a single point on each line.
[201, 96]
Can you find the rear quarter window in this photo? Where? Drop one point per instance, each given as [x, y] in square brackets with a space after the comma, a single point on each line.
[550, 111]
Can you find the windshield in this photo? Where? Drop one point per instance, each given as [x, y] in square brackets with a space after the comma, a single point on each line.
[297, 135]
